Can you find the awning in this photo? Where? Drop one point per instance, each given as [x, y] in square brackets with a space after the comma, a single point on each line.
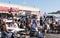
[2, 8]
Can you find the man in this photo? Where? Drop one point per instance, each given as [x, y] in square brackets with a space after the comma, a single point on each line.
[34, 25]
[40, 29]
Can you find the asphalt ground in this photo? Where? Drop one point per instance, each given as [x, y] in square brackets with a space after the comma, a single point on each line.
[52, 36]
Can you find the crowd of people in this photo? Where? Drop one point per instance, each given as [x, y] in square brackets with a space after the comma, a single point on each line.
[40, 26]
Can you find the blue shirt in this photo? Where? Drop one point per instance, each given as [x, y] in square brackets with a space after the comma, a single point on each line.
[34, 25]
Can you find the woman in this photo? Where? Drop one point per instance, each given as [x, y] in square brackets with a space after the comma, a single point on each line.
[5, 30]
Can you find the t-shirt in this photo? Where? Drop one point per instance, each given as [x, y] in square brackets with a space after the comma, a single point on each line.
[34, 25]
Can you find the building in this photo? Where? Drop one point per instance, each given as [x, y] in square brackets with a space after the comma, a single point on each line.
[6, 8]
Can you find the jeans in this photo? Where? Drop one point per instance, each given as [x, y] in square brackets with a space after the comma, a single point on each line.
[9, 34]
[40, 35]
[14, 34]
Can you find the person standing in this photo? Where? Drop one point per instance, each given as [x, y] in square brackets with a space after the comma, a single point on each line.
[5, 31]
[40, 30]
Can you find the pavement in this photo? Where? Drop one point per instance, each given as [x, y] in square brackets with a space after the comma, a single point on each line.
[29, 37]
[49, 35]
[52, 36]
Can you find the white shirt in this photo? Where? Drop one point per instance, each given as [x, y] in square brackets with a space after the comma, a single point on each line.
[16, 25]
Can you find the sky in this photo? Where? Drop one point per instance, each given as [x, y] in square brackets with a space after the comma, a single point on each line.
[43, 5]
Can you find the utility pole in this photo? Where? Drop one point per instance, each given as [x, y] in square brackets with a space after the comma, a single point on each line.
[10, 9]
[9, 1]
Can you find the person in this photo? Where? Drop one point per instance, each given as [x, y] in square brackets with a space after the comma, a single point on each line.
[21, 24]
[5, 31]
[34, 26]
[45, 27]
[15, 24]
[40, 30]
[41, 21]
[29, 25]
[48, 27]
